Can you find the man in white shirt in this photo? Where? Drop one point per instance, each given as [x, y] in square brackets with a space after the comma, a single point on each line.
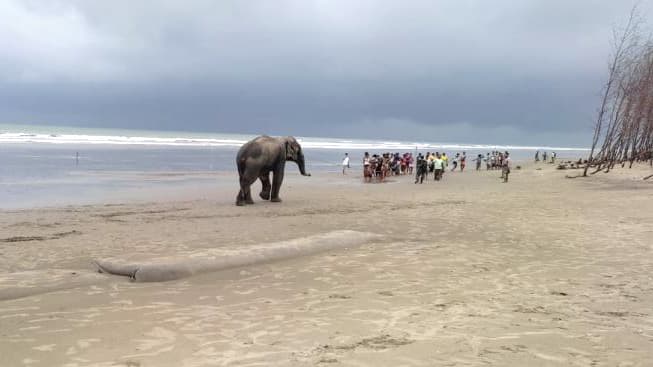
[345, 163]
[438, 164]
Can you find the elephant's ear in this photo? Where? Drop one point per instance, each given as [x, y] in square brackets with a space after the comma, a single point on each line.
[289, 151]
[292, 149]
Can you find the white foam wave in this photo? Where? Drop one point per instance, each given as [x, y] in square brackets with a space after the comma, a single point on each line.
[228, 141]
[115, 140]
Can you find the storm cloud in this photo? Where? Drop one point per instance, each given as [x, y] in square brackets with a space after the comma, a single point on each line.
[505, 71]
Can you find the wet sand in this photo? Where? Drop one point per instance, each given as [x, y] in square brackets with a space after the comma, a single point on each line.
[542, 271]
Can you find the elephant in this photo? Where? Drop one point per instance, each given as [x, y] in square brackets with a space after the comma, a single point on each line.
[262, 155]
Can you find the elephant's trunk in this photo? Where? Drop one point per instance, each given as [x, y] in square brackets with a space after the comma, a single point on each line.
[300, 164]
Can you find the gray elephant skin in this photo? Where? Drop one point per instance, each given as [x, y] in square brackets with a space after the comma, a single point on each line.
[262, 155]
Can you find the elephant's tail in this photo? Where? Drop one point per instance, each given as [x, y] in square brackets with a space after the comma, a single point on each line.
[240, 163]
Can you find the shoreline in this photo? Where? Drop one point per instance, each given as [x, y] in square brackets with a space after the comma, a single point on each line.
[111, 187]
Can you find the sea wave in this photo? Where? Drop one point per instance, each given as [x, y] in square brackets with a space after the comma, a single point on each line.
[226, 141]
[115, 140]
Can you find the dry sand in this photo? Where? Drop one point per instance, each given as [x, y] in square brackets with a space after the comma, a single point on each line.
[542, 271]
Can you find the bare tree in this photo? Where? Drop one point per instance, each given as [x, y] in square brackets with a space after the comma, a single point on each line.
[623, 132]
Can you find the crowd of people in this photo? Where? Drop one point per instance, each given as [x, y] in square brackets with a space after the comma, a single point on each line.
[387, 164]
[495, 160]
[544, 156]
[438, 164]
[379, 166]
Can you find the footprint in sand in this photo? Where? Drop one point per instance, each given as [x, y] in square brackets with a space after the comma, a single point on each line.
[81, 344]
[162, 340]
[249, 291]
[327, 360]
[45, 348]
[339, 296]
[127, 364]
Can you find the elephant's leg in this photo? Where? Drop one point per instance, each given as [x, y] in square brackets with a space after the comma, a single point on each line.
[267, 187]
[246, 180]
[277, 179]
[248, 194]
[245, 195]
[240, 199]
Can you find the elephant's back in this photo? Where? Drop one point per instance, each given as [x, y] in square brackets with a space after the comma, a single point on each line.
[256, 147]
[251, 147]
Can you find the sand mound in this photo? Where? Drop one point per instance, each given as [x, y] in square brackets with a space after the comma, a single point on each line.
[187, 264]
[27, 283]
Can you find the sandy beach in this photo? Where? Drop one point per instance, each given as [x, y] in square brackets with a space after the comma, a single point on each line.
[541, 271]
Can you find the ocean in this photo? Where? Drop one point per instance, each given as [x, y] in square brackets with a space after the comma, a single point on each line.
[45, 165]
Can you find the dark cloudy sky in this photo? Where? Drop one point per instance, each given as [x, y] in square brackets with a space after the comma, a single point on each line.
[475, 71]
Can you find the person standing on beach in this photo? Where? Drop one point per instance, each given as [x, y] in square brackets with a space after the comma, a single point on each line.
[454, 163]
[345, 163]
[438, 165]
[537, 156]
[463, 159]
[544, 157]
[553, 157]
[505, 169]
[445, 163]
[478, 160]
[367, 169]
[430, 157]
[420, 169]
